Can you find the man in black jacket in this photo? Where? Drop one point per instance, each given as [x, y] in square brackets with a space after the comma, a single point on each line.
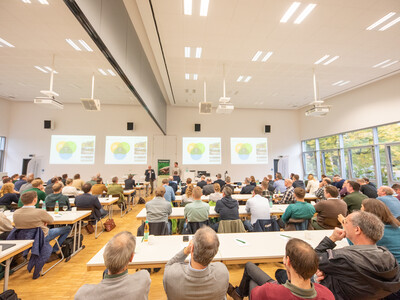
[89, 201]
[367, 189]
[220, 181]
[203, 182]
[248, 188]
[150, 177]
[227, 207]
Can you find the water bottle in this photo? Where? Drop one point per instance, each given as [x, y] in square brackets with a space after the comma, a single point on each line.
[44, 206]
[146, 232]
[270, 202]
[56, 208]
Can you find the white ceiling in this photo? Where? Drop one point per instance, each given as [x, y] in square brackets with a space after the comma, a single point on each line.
[38, 31]
[235, 30]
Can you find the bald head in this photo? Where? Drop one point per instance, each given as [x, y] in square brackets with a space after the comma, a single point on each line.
[119, 252]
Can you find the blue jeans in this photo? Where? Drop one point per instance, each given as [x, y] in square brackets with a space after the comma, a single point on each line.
[62, 232]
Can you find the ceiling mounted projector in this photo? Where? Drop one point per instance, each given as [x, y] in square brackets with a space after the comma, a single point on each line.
[317, 111]
[48, 102]
[91, 103]
[225, 108]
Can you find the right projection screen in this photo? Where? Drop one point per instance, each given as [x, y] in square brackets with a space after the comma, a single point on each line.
[249, 151]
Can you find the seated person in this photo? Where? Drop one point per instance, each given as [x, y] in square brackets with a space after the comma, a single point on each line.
[368, 190]
[343, 192]
[93, 180]
[354, 198]
[29, 217]
[130, 183]
[188, 181]
[338, 182]
[68, 189]
[188, 196]
[328, 210]
[37, 187]
[297, 182]
[5, 226]
[176, 177]
[200, 278]
[301, 263]
[90, 202]
[99, 188]
[78, 182]
[20, 182]
[248, 188]
[396, 188]
[202, 182]
[64, 178]
[279, 184]
[51, 199]
[228, 182]
[49, 188]
[258, 207]
[158, 209]
[312, 185]
[322, 185]
[216, 196]
[169, 192]
[227, 207]
[220, 181]
[385, 194]
[253, 180]
[117, 283]
[300, 209]
[28, 184]
[265, 190]
[208, 188]
[116, 189]
[8, 195]
[173, 183]
[197, 211]
[288, 195]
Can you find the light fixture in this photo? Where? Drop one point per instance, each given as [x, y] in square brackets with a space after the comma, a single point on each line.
[44, 2]
[381, 20]
[86, 46]
[195, 76]
[247, 79]
[73, 45]
[187, 51]
[345, 82]
[41, 69]
[381, 63]
[239, 78]
[257, 55]
[321, 59]
[243, 78]
[331, 60]
[391, 63]
[204, 8]
[102, 72]
[187, 7]
[390, 24]
[187, 76]
[305, 13]
[26, 1]
[338, 82]
[6, 43]
[268, 55]
[50, 69]
[290, 12]
[111, 72]
[198, 52]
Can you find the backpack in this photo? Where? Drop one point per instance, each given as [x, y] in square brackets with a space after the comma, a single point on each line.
[141, 201]
[67, 247]
[9, 295]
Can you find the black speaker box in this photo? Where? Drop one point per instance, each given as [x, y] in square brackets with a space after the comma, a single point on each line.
[129, 126]
[267, 128]
[47, 124]
[197, 127]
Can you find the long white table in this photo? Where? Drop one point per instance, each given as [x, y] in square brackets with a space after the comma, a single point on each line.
[245, 197]
[8, 254]
[259, 247]
[178, 212]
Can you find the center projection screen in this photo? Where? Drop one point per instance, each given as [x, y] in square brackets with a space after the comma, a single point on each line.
[249, 151]
[72, 149]
[201, 151]
[123, 150]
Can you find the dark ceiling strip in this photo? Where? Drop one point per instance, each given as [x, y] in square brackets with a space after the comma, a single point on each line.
[77, 12]
[162, 50]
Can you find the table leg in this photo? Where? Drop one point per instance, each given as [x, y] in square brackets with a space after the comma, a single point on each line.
[7, 274]
[75, 246]
[78, 247]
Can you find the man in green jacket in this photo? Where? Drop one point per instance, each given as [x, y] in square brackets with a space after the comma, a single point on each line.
[63, 200]
[116, 189]
[354, 198]
[37, 186]
[300, 209]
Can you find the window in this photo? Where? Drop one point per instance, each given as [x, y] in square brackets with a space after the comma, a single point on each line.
[389, 133]
[394, 161]
[330, 161]
[382, 158]
[362, 163]
[309, 145]
[310, 162]
[2, 151]
[329, 142]
[358, 138]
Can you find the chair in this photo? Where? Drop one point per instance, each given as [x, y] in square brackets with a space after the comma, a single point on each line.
[123, 203]
[299, 224]
[262, 225]
[155, 228]
[92, 218]
[231, 226]
[193, 226]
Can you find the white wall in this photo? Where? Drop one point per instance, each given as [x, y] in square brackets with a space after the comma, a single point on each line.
[27, 136]
[4, 119]
[374, 104]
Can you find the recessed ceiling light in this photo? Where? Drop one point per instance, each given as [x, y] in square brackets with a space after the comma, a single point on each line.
[247, 79]
[290, 12]
[331, 60]
[338, 82]
[111, 72]
[6, 43]
[381, 20]
[257, 55]
[321, 59]
[381, 63]
[268, 55]
[26, 1]
[44, 2]
[391, 63]
[187, 51]
[187, 7]
[305, 13]
[195, 76]
[187, 76]
[345, 82]
[73, 45]
[102, 72]
[86, 46]
[390, 24]
[41, 69]
[204, 8]
[198, 52]
[239, 78]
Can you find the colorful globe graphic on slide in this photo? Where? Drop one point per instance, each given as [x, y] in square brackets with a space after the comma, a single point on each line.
[66, 149]
[243, 150]
[196, 150]
[120, 150]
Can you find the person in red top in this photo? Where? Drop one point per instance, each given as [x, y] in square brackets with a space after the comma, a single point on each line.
[301, 263]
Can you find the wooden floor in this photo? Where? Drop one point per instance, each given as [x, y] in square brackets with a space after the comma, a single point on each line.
[64, 280]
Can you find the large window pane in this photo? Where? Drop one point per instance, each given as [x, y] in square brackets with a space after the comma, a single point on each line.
[2, 150]
[309, 145]
[394, 156]
[389, 133]
[331, 160]
[358, 138]
[329, 142]
[382, 158]
[363, 163]
[310, 161]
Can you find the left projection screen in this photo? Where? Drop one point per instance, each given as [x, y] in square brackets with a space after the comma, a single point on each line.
[72, 149]
[122, 150]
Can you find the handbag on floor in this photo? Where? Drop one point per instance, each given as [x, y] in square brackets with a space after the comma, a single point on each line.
[109, 225]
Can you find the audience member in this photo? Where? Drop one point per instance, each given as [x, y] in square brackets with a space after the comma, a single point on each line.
[14, 178]
[20, 182]
[93, 180]
[90, 202]
[265, 191]
[51, 199]
[37, 187]
[188, 181]
[227, 207]
[220, 181]
[248, 188]
[253, 180]
[216, 196]
[344, 192]
[49, 188]
[366, 179]
[270, 184]
[396, 188]
[354, 198]
[99, 188]
[312, 184]
[116, 189]
[173, 184]
[297, 182]
[323, 184]
[202, 182]
[279, 184]
[117, 283]
[78, 182]
[8, 195]
[28, 184]
[367, 189]
[300, 209]
[208, 188]
[5, 226]
[64, 178]
[385, 194]
[338, 182]
[258, 207]
[130, 183]
[288, 195]
[68, 189]
[158, 209]
[197, 211]
[188, 196]
[169, 192]
[228, 182]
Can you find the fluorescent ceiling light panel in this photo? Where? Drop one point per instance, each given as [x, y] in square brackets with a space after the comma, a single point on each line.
[187, 7]
[338, 82]
[290, 12]
[389, 64]
[390, 24]
[73, 45]
[381, 63]
[187, 51]
[44, 2]
[305, 13]
[268, 55]
[204, 8]
[257, 55]
[239, 78]
[41, 69]
[102, 72]
[380, 21]
[111, 72]
[321, 59]
[187, 76]
[247, 79]
[198, 52]
[26, 1]
[6, 43]
[331, 60]
[86, 46]
[343, 83]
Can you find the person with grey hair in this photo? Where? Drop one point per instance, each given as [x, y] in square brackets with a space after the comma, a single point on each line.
[200, 278]
[117, 283]
[248, 188]
[208, 188]
[385, 194]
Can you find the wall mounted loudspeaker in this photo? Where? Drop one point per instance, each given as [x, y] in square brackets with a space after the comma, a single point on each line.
[129, 126]
[267, 128]
[48, 124]
[197, 127]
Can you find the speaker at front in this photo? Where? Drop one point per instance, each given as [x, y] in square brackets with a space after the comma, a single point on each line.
[267, 129]
[197, 127]
[48, 124]
[129, 126]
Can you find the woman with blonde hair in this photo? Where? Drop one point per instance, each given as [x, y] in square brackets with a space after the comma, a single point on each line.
[217, 195]
[8, 195]
[253, 180]
[312, 185]
[188, 196]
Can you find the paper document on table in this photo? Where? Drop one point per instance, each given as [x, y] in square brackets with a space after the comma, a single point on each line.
[241, 242]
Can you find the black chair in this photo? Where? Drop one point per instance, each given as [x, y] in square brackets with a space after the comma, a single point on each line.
[92, 219]
[299, 224]
[192, 227]
[262, 225]
[155, 228]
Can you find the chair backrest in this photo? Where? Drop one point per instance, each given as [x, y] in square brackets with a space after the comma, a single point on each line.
[92, 216]
[262, 225]
[332, 222]
[231, 226]
[155, 228]
[299, 224]
[193, 226]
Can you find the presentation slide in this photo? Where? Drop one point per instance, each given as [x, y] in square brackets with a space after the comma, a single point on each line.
[123, 150]
[72, 149]
[201, 151]
[249, 151]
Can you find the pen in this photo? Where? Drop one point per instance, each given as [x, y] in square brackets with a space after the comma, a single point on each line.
[241, 241]
[286, 236]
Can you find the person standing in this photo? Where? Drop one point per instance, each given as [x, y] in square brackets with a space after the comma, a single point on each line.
[150, 177]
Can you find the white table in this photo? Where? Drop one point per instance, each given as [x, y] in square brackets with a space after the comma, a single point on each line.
[7, 255]
[239, 197]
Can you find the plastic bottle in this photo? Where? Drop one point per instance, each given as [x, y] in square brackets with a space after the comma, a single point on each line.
[44, 205]
[146, 232]
[270, 201]
[56, 208]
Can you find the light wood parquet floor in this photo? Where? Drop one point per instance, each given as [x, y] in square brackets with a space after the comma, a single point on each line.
[64, 280]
